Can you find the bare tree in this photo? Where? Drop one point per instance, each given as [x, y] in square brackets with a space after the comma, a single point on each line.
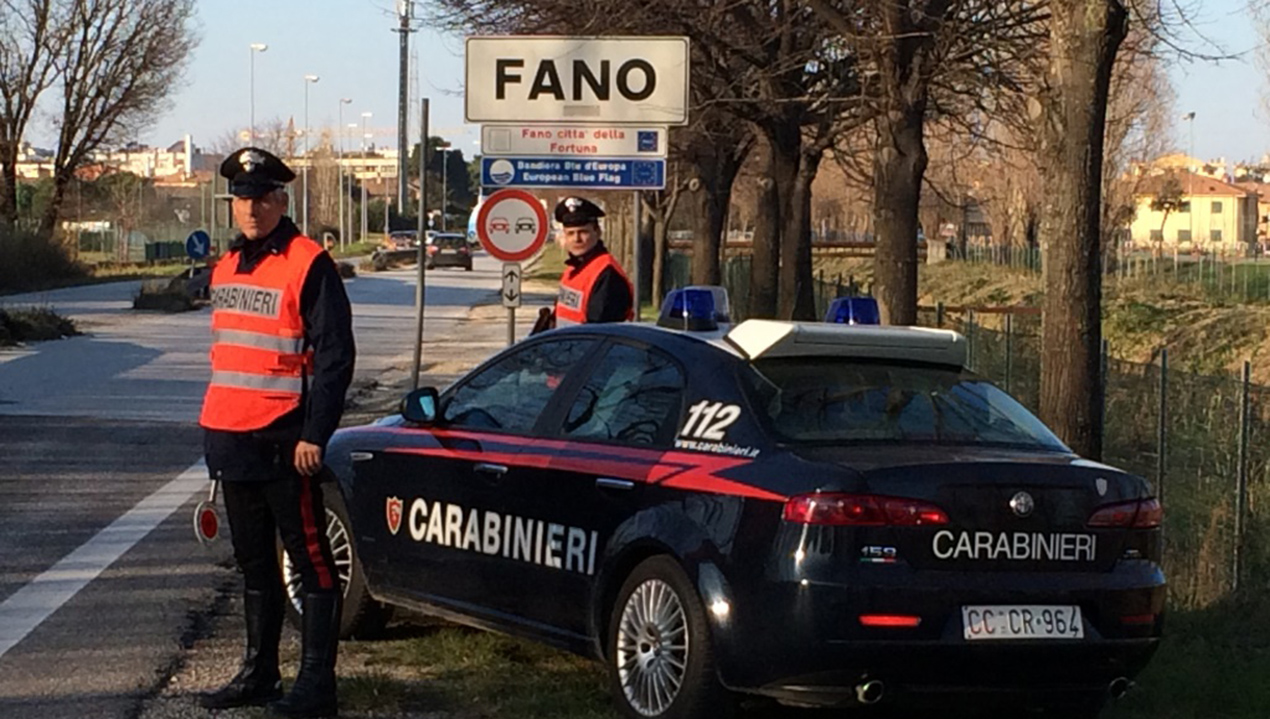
[29, 36]
[120, 63]
[1071, 114]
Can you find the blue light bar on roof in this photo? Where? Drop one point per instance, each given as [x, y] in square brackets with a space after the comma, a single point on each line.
[854, 311]
[697, 308]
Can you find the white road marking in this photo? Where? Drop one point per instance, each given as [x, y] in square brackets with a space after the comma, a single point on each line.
[27, 608]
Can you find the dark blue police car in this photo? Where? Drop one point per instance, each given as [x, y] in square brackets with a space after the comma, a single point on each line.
[817, 513]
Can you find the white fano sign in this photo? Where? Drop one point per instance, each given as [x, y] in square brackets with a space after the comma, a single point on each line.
[620, 80]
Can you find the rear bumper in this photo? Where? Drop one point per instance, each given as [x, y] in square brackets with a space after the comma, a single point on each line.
[916, 673]
[450, 260]
[803, 642]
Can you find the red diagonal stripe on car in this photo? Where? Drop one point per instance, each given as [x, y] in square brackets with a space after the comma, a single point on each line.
[672, 469]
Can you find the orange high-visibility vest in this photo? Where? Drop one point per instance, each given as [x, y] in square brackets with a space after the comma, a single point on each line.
[575, 289]
[259, 361]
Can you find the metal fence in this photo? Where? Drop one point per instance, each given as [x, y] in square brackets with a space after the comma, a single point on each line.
[1219, 276]
[1203, 441]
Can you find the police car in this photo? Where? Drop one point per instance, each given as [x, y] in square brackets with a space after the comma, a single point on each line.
[819, 513]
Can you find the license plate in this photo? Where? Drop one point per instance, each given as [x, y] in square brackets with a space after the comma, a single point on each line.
[1010, 621]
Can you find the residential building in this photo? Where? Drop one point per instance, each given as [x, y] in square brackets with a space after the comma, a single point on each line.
[1209, 215]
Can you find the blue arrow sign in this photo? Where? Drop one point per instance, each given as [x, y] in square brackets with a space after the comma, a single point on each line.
[596, 173]
[197, 245]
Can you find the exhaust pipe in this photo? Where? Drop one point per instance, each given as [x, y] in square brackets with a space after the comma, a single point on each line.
[869, 692]
[1119, 687]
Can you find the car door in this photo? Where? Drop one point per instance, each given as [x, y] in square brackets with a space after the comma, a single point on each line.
[447, 480]
[608, 436]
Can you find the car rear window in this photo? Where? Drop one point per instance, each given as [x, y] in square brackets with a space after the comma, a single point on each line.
[818, 400]
[450, 242]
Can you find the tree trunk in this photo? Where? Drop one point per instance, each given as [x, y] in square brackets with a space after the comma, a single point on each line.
[8, 188]
[53, 210]
[765, 257]
[792, 172]
[1084, 36]
[898, 167]
[706, 242]
[710, 194]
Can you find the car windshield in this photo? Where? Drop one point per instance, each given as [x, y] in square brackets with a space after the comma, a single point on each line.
[826, 400]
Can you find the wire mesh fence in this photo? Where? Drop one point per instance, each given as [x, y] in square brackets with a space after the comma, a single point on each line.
[1203, 441]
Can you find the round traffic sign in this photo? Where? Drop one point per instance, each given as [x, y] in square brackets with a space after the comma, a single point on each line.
[198, 244]
[512, 225]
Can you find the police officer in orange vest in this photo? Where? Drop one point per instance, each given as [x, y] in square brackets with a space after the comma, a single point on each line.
[593, 287]
[282, 360]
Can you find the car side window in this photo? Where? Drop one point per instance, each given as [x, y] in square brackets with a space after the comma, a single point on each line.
[510, 395]
[632, 396]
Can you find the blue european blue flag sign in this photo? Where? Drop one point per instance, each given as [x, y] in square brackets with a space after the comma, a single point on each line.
[596, 173]
[198, 244]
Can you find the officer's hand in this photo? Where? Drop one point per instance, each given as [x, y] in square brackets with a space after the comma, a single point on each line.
[308, 458]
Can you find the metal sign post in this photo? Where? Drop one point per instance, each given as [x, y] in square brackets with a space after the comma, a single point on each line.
[511, 297]
[636, 209]
[421, 286]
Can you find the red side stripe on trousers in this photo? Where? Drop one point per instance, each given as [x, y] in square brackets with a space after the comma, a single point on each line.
[311, 535]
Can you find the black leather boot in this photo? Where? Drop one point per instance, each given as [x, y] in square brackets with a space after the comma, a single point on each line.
[313, 695]
[258, 681]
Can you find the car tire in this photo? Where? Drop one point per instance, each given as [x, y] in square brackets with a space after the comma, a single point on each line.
[361, 616]
[468, 267]
[656, 604]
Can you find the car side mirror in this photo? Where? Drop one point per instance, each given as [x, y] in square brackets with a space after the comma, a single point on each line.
[420, 406]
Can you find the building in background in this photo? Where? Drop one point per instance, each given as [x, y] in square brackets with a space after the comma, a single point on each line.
[1189, 212]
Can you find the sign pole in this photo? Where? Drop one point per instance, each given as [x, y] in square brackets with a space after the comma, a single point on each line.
[421, 286]
[635, 254]
[511, 326]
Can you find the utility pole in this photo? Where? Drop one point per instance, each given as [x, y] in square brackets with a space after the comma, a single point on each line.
[405, 11]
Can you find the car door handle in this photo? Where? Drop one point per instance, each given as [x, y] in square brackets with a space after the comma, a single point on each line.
[361, 456]
[610, 483]
[497, 470]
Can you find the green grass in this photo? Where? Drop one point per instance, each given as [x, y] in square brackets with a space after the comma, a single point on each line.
[549, 265]
[355, 249]
[465, 672]
[1212, 663]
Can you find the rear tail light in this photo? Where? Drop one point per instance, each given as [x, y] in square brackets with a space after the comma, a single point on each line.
[1141, 514]
[889, 620]
[463, 250]
[1138, 619]
[862, 510]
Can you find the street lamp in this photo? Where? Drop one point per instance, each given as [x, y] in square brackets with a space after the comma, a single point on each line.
[340, 196]
[254, 48]
[304, 223]
[364, 229]
[444, 147]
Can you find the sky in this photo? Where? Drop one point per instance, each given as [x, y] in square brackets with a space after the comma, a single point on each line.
[350, 45]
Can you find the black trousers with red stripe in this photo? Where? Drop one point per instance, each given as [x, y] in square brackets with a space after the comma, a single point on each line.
[290, 507]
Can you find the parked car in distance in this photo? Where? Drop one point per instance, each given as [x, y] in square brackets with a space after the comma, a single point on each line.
[401, 240]
[449, 250]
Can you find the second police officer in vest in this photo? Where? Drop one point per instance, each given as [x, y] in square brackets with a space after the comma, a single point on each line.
[593, 288]
[282, 360]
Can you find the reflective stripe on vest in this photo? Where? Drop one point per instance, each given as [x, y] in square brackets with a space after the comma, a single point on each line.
[576, 286]
[265, 383]
[258, 358]
[259, 340]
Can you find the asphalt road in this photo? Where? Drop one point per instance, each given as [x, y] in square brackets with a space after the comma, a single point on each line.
[101, 581]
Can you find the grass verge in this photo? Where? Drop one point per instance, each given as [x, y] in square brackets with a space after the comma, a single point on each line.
[459, 672]
[1212, 663]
